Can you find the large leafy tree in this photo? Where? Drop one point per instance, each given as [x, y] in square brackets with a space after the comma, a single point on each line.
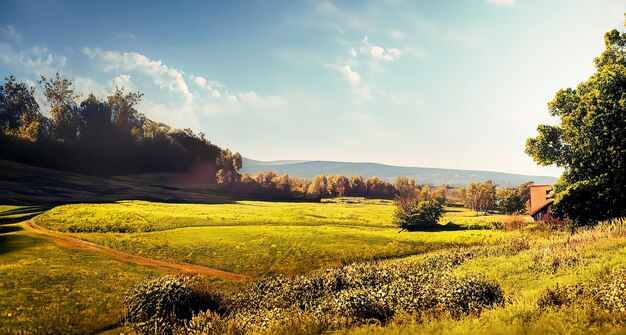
[590, 141]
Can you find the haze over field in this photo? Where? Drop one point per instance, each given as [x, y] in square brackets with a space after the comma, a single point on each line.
[444, 84]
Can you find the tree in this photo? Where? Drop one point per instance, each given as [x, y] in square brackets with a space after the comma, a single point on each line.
[265, 178]
[95, 119]
[509, 200]
[407, 194]
[64, 113]
[282, 183]
[338, 185]
[228, 165]
[480, 196]
[357, 186]
[416, 207]
[19, 112]
[590, 141]
[318, 187]
[124, 114]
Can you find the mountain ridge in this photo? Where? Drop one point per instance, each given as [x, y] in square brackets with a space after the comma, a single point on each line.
[423, 175]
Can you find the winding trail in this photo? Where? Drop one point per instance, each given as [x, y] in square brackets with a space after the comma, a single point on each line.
[76, 243]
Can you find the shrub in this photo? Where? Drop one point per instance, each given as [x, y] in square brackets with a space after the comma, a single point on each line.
[550, 260]
[470, 295]
[325, 300]
[612, 295]
[157, 305]
[423, 215]
[515, 222]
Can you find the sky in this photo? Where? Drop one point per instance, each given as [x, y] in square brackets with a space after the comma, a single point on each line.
[445, 84]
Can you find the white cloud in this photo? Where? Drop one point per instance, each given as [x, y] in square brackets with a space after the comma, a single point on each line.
[163, 76]
[353, 53]
[35, 60]
[351, 76]
[360, 88]
[86, 86]
[379, 53]
[502, 2]
[208, 85]
[124, 81]
[10, 32]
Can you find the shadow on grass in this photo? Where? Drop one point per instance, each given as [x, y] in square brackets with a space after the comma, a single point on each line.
[9, 229]
[12, 220]
[14, 242]
[26, 210]
[450, 226]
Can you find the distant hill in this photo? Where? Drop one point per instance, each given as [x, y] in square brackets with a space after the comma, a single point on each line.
[432, 176]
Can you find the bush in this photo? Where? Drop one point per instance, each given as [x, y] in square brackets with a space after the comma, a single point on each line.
[157, 305]
[515, 222]
[470, 295]
[606, 292]
[612, 295]
[326, 300]
[423, 215]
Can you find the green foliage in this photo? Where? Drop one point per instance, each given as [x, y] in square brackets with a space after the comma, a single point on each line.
[19, 112]
[417, 206]
[420, 294]
[511, 200]
[157, 305]
[100, 137]
[348, 296]
[590, 141]
[480, 196]
[424, 214]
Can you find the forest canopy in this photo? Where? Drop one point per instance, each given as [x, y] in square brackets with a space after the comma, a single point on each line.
[99, 136]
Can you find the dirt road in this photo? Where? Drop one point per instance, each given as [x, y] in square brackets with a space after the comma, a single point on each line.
[76, 243]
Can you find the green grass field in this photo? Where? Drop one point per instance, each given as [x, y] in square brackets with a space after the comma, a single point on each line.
[282, 238]
[50, 288]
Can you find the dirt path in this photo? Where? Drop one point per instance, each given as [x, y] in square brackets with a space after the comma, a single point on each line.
[76, 243]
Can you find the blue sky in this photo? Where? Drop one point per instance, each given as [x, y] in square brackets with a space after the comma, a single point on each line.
[451, 84]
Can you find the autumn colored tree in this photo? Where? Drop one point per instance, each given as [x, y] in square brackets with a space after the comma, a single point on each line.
[318, 187]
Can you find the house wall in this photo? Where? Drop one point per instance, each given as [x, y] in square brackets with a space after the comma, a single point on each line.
[538, 197]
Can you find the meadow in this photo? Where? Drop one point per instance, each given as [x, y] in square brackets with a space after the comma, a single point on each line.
[48, 288]
[52, 288]
[282, 237]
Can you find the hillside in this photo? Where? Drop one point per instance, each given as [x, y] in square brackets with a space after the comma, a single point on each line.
[433, 176]
[26, 184]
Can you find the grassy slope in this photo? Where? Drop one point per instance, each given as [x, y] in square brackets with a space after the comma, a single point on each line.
[261, 238]
[282, 238]
[50, 289]
[552, 259]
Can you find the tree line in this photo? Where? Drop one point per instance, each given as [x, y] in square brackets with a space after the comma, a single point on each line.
[98, 136]
[321, 186]
[485, 196]
[480, 197]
